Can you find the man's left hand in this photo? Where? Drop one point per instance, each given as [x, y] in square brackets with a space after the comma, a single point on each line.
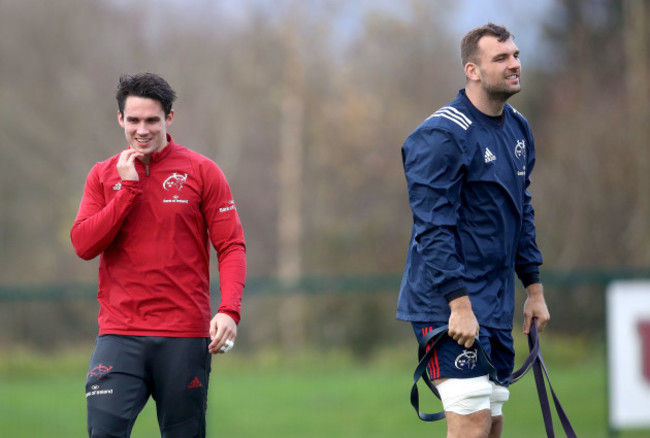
[223, 331]
[535, 307]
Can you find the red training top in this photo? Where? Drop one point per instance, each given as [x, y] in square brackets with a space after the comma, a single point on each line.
[153, 236]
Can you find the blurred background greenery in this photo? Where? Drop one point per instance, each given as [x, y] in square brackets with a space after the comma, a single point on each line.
[304, 105]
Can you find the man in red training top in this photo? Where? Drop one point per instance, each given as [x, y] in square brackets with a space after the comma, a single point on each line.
[150, 213]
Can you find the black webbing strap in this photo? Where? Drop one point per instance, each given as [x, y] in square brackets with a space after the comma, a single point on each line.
[534, 361]
[425, 350]
[538, 367]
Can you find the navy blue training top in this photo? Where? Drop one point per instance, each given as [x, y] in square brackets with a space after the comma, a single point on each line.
[473, 222]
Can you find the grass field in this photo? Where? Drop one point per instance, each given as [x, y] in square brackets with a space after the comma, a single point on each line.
[301, 395]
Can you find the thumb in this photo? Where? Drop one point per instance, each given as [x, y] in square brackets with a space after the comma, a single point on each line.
[527, 321]
[213, 328]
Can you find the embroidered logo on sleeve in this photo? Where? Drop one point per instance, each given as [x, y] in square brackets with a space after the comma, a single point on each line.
[231, 206]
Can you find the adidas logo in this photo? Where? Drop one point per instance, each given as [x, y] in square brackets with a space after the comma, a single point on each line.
[196, 383]
[117, 186]
[489, 156]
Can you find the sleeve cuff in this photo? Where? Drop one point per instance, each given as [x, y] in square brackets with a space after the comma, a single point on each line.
[234, 315]
[456, 294]
[529, 278]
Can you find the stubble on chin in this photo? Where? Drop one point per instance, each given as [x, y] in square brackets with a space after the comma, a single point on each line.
[500, 94]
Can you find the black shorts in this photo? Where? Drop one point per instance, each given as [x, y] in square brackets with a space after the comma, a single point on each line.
[125, 370]
[455, 361]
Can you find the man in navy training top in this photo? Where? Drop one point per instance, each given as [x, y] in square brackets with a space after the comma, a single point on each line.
[468, 170]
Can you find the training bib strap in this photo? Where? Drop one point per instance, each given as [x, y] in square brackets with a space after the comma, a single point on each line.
[534, 361]
[539, 371]
[425, 350]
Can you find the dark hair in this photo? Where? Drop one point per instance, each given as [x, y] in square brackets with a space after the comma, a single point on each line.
[469, 44]
[147, 85]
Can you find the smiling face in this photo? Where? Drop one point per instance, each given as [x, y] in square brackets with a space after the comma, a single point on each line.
[497, 68]
[145, 125]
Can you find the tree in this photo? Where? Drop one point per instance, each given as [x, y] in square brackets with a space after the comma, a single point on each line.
[590, 171]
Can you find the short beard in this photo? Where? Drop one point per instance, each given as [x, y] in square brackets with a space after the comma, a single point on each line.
[496, 94]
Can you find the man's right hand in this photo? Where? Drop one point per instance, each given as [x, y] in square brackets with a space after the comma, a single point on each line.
[463, 325]
[126, 165]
